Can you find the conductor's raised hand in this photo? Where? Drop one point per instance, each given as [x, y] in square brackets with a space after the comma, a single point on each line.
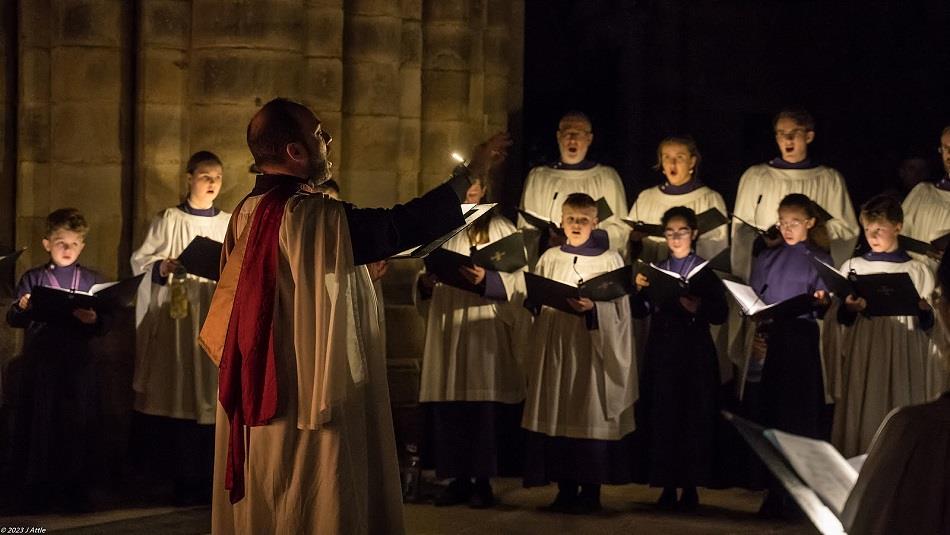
[490, 153]
[474, 275]
[580, 304]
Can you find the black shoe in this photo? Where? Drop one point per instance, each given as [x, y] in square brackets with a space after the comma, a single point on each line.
[482, 496]
[667, 500]
[588, 501]
[458, 491]
[689, 499]
[563, 503]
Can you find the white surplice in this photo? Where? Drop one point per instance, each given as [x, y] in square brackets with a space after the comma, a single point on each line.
[926, 216]
[653, 202]
[821, 184]
[546, 188]
[581, 383]
[878, 363]
[327, 464]
[474, 345]
[173, 375]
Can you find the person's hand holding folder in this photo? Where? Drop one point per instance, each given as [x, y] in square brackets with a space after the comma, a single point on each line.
[580, 304]
[474, 275]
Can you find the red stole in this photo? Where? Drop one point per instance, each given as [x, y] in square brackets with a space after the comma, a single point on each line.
[247, 375]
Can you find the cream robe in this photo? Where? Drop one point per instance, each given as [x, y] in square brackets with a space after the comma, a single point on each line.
[926, 216]
[327, 464]
[473, 350]
[823, 185]
[544, 182]
[652, 203]
[581, 383]
[878, 363]
[173, 375]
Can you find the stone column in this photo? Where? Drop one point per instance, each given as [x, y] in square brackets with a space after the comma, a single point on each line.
[410, 102]
[242, 55]
[70, 147]
[161, 121]
[446, 84]
[322, 88]
[372, 42]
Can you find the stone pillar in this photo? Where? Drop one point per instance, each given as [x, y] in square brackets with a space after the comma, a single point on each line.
[322, 88]
[70, 147]
[410, 102]
[242, 55]
[160, 127]
[372, 42]
[446, 84]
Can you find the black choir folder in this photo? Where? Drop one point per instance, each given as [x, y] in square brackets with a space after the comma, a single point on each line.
[937, 246]
[541, 222]
[753, 306]
[817, 477]
[887, 294]
[605, 287]
[57, 304]
[505, 255]
[708, 220]
[470, 212]
[666, 286]
[202, 257]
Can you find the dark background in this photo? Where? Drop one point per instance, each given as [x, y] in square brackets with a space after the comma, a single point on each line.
[874, 74]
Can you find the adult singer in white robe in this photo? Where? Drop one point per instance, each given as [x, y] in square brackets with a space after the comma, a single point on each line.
[927, 207]
[582, 375]
[763, 186]
[173, 378]
[472, 385]
[881, 362]
[304, 438]
[678, 159]
[547, 186]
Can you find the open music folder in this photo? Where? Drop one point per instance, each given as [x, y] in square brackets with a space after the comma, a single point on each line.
[753, 306]
[604, 287]
[887, 294]
[814, 473]
[57, 304]
[470, 212]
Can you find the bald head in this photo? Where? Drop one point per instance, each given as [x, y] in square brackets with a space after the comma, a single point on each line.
[279, 123]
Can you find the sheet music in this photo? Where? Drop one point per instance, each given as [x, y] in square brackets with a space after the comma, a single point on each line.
[675, 275]
[819, 465]
[745, 296]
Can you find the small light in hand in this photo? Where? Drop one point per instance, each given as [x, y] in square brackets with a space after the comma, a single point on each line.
[458, 157]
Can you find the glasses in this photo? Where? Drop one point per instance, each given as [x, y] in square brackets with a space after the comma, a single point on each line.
[789, 225]
[327, 138]
[680, 234]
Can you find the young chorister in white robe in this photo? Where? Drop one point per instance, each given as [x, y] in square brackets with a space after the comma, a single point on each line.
[880, 362]
[175, 382]
[678, 158]
[547, 187]
[472, 386]
[581, 373]
[763, 186]
[927, 210]
[680, 380]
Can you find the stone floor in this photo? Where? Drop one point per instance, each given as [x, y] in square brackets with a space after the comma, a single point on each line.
[627, 510]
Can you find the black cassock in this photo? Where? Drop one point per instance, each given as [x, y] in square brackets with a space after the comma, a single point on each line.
[678, 410]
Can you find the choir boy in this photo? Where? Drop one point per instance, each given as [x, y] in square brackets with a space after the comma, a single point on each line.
[882, 361]
[56, 407]
[927, 207]
[581, 373]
